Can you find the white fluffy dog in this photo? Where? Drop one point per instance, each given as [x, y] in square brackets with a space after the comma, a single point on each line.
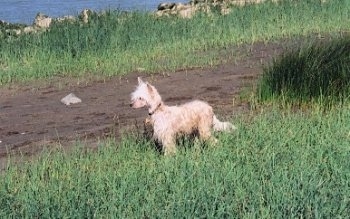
[170, 121]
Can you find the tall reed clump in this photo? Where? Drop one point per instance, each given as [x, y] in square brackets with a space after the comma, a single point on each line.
[320, 72]
[277, 165]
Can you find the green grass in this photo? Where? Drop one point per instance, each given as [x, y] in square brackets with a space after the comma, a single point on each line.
[118, 43]
[318, 73]
[277, 165]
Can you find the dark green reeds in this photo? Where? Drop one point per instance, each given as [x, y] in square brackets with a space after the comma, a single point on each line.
[320, 72]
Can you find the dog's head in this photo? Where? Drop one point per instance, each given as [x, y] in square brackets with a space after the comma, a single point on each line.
[141, 94]
[145, 95]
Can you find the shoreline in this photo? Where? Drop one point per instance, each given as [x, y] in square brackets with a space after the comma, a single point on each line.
[23, 12]
[180, 9]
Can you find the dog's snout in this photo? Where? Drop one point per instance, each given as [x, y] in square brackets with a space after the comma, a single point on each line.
[131, 104]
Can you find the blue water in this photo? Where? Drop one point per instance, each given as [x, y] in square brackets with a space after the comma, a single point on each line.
[24, 11]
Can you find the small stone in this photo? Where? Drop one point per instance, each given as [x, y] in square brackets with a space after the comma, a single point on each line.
[29, 29]
[70, 99]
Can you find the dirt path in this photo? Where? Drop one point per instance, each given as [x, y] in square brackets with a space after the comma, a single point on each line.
[30, 117]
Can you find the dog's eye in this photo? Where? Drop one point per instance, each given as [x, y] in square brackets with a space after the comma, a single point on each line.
[140, 98]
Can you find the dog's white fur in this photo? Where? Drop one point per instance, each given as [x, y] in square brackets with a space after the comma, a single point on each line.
[170, 121]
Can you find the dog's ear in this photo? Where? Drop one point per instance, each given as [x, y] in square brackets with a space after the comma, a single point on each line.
[149, 87]
[139, 79]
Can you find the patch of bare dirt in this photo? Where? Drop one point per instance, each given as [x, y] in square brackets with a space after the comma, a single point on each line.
[32, 116]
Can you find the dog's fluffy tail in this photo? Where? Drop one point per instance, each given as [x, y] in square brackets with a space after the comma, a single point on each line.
[222, 126]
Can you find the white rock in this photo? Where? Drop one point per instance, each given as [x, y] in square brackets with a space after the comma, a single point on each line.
[70, 99]
[29, 29]
[42, 21]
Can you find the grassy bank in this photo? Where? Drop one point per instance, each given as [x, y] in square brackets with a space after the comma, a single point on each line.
[118, 43]
[277, 165]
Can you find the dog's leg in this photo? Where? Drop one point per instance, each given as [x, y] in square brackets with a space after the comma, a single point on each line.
[169, 146]
[204, 132]
[209, 138]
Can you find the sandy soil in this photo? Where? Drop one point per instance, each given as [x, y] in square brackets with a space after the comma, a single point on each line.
[32, 115]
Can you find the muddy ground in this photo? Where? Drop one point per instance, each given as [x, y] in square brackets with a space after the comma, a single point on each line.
[32, 115]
